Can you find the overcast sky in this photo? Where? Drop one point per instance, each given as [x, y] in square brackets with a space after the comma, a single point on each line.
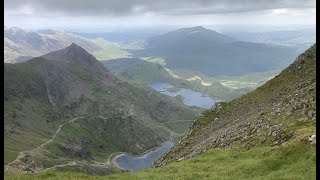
[113, 14]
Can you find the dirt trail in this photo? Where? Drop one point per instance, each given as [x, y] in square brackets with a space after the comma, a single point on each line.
[41, 146]
[109, 162]
[60, 165]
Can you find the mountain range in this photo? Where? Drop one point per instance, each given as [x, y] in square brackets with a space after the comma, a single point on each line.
[269, 133]
[212, 53]
[196, 48]
[65, 107]
[21, 45]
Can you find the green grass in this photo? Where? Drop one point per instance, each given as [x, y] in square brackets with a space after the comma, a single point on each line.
[109, 50]
[158, 60]
[227, 87]
[291, 160]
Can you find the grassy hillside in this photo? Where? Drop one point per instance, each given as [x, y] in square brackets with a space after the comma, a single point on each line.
[269, 116]
[67, 108]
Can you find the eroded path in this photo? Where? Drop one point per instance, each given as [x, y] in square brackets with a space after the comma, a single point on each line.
[109, 162]
[40, 147]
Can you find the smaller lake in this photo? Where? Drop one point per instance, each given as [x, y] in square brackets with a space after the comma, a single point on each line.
[190, 97]
[133, 163]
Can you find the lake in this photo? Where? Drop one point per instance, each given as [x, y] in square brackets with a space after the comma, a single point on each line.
[190, 97]
[135, 163]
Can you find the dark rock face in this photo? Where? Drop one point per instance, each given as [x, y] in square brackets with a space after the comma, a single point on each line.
[81, 152]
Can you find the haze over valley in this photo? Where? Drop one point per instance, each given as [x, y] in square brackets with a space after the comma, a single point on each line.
[162, 90]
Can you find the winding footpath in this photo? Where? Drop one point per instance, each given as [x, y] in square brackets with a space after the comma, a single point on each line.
[111, 159]
[41, 146]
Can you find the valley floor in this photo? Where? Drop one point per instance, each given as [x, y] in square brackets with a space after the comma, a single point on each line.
[295, 159]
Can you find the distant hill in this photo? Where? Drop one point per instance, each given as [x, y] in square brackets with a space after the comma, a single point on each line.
[20, 45]
[212, 53]
[65, 107]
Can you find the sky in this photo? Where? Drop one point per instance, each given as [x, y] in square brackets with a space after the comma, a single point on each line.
[110, 15]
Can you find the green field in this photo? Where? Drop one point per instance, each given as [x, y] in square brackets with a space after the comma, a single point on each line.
[109, 50]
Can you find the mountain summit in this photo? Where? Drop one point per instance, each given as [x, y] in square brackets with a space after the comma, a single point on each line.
[73, 53]
[193, 35]
[80, 57]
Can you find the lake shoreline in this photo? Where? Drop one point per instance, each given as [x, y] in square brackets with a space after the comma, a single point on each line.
[114, 156]
[190, 97]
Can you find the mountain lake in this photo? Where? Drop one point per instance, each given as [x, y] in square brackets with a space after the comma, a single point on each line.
[190, 97]
[135, 163]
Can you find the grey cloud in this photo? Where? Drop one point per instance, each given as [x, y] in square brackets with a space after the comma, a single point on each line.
[176, 7]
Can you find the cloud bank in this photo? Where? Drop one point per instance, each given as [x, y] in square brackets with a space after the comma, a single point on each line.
[156, 12]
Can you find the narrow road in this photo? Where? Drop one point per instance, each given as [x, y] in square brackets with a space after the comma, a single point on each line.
[58, 130]
[41, 146]
[60, 165]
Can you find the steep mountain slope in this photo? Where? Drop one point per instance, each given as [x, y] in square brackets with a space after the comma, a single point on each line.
[67, 108]
[21, 45]
[213, 53]
[274, 113]
[266, 134]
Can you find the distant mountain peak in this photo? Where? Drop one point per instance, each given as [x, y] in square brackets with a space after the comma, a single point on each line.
[195, 28]
[75, 47]
[75, 50]
[189, 37]
[203, 33]
[198, 28]
[75, 54]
